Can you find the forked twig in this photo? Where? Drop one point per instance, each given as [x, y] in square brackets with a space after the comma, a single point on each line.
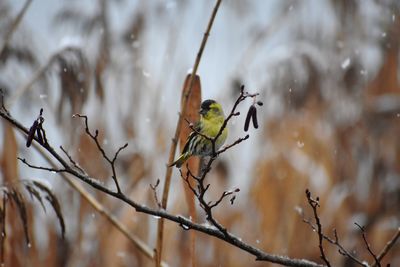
[49, 169]
[135, 240]
[73, 162]
[154, 189]
[335, 242]
[95, 138]
[364, 236]
[388, 246]
[314, 203]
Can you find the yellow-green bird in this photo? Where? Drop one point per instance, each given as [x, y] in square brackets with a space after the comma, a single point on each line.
[211, 119]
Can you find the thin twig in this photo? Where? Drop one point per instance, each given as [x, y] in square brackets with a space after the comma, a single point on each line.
[222, 197]
[200, 194]
[238, 141]
[73, 162]
[186, 179]
[314, 203]
[191, 126]
[49, 169]
[342, 251]
[388, 246]
[243, 95]
[154, 189]
[364, 236]
[213, 140]
[95, 138]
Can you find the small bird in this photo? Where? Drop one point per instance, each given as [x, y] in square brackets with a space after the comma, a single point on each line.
[211, 119]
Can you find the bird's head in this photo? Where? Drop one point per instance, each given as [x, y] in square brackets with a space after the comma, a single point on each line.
[211, 109]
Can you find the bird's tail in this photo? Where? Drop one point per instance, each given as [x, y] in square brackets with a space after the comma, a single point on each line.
[179, 162]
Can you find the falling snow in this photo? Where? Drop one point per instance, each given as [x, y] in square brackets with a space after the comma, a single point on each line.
[300, 144]
[346, 63]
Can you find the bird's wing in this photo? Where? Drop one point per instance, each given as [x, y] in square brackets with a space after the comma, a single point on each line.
[197, 127]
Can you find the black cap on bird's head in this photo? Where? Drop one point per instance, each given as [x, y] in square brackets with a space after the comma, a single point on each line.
[205, 106]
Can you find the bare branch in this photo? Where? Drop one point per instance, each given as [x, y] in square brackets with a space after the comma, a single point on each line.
[242, 96]
[314, 203]
[95, 138]
[191, 126]
[119, 150]
[42, 168]
[220, 233]
[154, 189]
[136, 241]
[224, 195]
[73, 162]
[342, 251]
[388, 246]
[238, 141]
[200, 194]
[364, 235]
[186, 179]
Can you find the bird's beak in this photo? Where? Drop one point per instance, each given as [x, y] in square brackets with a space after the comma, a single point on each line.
[202, 111]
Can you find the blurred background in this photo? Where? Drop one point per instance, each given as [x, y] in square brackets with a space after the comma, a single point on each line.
[327, 72]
